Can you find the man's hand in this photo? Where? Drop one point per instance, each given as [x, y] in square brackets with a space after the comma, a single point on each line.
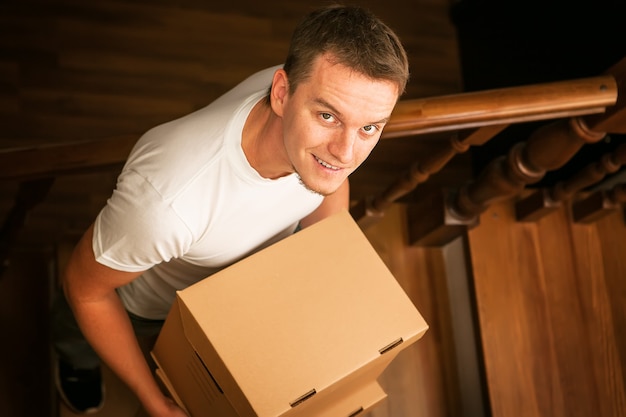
[165, 408]
[90, 290]
[175, 410]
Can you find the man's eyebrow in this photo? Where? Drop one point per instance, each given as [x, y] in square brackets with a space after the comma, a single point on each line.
[332, 108]
[329, 106]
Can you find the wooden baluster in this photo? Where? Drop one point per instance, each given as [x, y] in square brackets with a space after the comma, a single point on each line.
[591, 174]
[599, 204]
[548, 148]
[544, 201]
[369, 211]
[487, 113]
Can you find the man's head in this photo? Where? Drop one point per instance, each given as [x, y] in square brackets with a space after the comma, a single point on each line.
[335, 94]
[355, 38]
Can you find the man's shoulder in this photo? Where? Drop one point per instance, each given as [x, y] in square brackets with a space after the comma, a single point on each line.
[176, 151]
[212, 118]
[260, 78]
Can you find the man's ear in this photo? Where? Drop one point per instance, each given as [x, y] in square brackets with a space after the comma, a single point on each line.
[279, 92]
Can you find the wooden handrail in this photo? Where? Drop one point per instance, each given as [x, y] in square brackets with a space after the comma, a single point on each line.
[614, 120]
[502, 106]
[410, 117]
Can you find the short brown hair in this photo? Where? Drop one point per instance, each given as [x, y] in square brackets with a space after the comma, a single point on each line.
[354, 37]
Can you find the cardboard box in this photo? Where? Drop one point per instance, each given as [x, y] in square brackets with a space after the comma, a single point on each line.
[301, 328]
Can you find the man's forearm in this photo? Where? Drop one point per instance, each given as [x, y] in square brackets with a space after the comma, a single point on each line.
[107, 327]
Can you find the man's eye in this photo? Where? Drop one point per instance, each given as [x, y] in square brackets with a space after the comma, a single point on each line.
[370, 129]
[327, 116]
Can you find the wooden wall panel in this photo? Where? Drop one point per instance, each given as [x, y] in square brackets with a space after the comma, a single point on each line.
[75, 70]
[421, 381]
[600, 251]
[548, 316]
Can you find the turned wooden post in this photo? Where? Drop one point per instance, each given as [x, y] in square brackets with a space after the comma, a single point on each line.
[591, 174]
[542, 201]
[369, 211]
[478, 116]
[548, 148]
[599, 204]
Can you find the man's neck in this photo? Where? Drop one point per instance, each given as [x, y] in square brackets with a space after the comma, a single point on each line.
[262, 142]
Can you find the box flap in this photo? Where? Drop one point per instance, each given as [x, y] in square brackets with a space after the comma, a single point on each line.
[356, 401]
[182, 371]
[169, 388]
[212, 360]
[298, 316]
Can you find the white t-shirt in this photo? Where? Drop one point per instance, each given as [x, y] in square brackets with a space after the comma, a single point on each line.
[188, 203]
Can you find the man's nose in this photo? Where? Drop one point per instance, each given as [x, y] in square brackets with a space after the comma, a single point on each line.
[342, 146]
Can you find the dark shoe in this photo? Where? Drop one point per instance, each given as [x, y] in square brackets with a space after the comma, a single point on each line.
[82, 390]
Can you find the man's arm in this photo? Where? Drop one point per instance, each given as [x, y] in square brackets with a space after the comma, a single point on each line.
[333, 203]
[90, 290]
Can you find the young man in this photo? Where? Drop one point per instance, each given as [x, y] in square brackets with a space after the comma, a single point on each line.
[202, 192]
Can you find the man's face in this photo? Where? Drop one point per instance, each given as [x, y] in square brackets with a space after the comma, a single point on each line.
[332, 122]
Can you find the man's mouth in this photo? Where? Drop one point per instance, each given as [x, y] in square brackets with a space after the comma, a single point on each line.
[326, 164]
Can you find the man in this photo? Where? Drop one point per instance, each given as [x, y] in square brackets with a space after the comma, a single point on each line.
[201, 192]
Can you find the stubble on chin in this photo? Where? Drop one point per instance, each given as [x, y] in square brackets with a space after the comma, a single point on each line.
[309, 188]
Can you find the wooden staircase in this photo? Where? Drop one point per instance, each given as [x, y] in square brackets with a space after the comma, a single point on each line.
[78, 90]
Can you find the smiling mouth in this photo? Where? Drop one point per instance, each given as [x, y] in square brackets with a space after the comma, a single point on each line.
[327, 165]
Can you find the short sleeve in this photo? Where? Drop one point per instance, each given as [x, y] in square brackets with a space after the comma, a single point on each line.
[138, 228]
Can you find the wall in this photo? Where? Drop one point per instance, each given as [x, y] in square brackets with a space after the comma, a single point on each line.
[422, 381]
